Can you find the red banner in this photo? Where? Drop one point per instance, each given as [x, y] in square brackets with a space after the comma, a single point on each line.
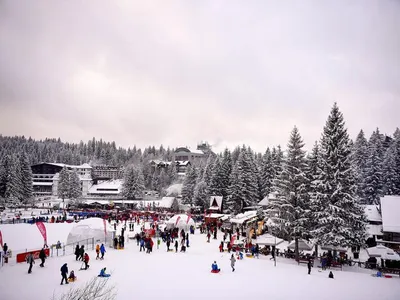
[21, 257]
[1, 240]
[177, 220]
[189, 216]
[42, 230]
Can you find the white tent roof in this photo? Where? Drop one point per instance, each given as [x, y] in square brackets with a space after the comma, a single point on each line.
[383, 252]
[390, 213]
[303, 245]
[267, 239]
[167, 202]
[372, 213]
[90, 228]
[184, 221]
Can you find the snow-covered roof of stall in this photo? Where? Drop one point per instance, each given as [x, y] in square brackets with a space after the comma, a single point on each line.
[390, 213]
[167, 202]
[106, 186]
[217, 200]
[372, 213]
[241, 218]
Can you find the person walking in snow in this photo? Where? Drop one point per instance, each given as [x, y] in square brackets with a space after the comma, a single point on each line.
[42, 256]
[64, 272]
[142, 245]
[208, 237]
[102, 251]
[77, 252]
[176, 246]
[309, 265]
[97, 251]
[30, 260]
[168, 244]
[233, 260]
[81, 252]
[86, 261]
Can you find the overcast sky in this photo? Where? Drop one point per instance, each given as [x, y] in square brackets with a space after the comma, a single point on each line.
[178, 72]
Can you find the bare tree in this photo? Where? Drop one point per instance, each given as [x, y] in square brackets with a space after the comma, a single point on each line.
[95, 289]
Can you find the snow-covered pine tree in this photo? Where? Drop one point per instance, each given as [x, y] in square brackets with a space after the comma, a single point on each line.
[189, 185]
[266, 174]
[26, 178]
[172, 173]
[396, 141]
[389, 172]
[226, 165]
[340, 218]
[63, 184]
[133, 185]
[373, 175]
[244, 187]
[291, 206]
[163, 179]
[4, 169]
[74, 190]
[14, 188]
[208, 169]
[359, 161]
[201, 195]
[277, 161]
[155, 182]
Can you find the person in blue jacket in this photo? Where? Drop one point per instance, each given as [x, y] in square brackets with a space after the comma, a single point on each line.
[214, 267]
[102, 251]
[103, 273]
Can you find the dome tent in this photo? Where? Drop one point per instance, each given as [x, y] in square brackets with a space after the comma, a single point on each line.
[90, 228]
[180, 221]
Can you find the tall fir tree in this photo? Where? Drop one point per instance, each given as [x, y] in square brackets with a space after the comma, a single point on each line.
[267, 174]
[389, 172]
[26, 178]
[74, 189]
[201, 195]
[226, 166]
[359, 161]
[340, 218]
[373, 175]
[215, 187]
[291, 207]
[172, 173]
[189, 185]
[14, 188]
[133, 186]
[63, 184]
[396, 141]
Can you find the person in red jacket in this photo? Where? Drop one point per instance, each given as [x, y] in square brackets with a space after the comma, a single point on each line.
[221, 247]
[86, 260]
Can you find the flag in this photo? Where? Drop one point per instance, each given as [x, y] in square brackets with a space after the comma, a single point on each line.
[188, 218]
[1, 240]
[42, 230]
[177, 220]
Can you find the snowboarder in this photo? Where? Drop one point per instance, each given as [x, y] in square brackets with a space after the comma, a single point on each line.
[77, 252]
[176, 246]
[309, 265]
[103, 273]
[102, 251]
[30, 260]
[330, 275]
[233, 260]
[64, 272]
[86, 261]
[97, 251]
[42, 256]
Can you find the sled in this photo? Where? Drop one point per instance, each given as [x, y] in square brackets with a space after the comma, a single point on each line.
[249, 255]
[170, 250]
[215, 271]
[72, 279]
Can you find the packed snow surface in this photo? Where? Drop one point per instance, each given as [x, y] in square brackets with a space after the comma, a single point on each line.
[168, 275]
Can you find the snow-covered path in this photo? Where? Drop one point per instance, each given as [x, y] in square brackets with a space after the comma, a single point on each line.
[167, 275]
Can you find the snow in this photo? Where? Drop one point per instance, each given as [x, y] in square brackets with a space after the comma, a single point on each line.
[167, 202]
[374, 230]
[115, 185]
[175, 189]
[383, 252]
[167, 275]
[390, 213]
[241, 218]
[372, 213]
[267, 239]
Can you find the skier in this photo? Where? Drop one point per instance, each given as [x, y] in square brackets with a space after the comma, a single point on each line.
[86, 261]
[77, 252]
[309, 265]
[42, 256]
[233, 260]
[30, 260]
[102, 250]
[64, 272]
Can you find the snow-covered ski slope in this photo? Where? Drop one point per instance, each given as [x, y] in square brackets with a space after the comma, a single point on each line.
[168, 275]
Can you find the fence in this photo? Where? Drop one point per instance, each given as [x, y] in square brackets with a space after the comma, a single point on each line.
[53, 251]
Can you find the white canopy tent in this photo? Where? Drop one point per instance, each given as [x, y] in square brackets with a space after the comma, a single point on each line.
[383, 252]
[303, 245]
[90, 228]
[267, 240]
[180, 221]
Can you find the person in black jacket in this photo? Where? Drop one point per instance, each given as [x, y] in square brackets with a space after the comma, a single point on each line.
[64, 272]
[77, 252]
[30, 260]
[42, 256]
[176, 246]
[309, 265]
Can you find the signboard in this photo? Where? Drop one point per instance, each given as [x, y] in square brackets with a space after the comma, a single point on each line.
[21, 257]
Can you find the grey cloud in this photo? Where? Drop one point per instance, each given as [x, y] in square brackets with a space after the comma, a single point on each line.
[151, 72]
